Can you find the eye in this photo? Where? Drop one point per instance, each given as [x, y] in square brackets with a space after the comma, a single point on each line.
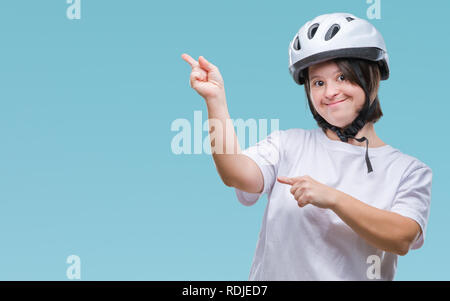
[342, 77]
[318, 81]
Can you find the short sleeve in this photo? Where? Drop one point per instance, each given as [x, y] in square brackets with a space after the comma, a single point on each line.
[267, 155]
[413, 199]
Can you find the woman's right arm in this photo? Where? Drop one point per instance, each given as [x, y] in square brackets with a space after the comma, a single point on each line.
[234, 168]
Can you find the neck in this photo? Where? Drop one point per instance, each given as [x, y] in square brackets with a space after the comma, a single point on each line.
[367, 131]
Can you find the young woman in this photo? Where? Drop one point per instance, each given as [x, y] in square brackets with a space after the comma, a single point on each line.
[368, 202]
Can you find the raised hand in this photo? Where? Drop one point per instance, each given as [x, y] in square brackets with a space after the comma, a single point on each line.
[205, 77]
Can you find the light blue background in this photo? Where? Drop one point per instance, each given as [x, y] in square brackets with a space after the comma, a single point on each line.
[86, 105]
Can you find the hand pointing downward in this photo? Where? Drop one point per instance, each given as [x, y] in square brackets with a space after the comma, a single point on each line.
[306, 191]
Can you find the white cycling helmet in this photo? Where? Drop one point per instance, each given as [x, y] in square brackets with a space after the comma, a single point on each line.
[337, 35]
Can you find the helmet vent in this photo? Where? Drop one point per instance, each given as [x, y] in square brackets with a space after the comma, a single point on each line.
[332, 32]
[312, 30]
[296, 43]
[349, 19]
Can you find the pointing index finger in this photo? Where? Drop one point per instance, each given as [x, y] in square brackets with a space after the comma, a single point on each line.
[190, 60]
[285, 180]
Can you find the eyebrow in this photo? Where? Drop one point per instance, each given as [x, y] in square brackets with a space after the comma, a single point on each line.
[337, 71]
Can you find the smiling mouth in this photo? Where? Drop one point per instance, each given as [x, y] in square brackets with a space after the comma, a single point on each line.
[330, 104]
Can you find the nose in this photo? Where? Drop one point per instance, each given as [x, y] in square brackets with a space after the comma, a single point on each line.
[331, 91]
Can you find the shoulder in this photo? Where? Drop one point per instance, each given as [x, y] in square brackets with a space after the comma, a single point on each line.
[410, 164]
[297, 134]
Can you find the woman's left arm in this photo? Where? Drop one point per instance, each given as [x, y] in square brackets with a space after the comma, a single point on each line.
[382, 229]
[385, 230]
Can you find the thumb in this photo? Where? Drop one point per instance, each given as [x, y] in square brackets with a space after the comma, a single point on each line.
[285, 180]
[205, 64]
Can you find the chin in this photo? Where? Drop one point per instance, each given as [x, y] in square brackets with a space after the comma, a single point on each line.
[340, 122]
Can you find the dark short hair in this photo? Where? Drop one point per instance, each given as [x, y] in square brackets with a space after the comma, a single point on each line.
[372, 76]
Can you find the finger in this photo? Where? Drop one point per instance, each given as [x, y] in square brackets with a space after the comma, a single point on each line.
[202, 73]
[285, 180]
[189, 59]
[205, 64]
[299, 179]
[298, 194]
[294, 188]
[197, 76]
[302, 204]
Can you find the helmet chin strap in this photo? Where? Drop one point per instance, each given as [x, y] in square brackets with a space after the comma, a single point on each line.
[349, 132]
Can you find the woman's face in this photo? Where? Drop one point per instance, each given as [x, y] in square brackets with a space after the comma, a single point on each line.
[337, 100]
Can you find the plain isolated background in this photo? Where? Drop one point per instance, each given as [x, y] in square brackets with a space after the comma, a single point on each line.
[86, 165]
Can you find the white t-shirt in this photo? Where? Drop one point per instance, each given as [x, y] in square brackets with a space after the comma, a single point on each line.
[311, 243]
